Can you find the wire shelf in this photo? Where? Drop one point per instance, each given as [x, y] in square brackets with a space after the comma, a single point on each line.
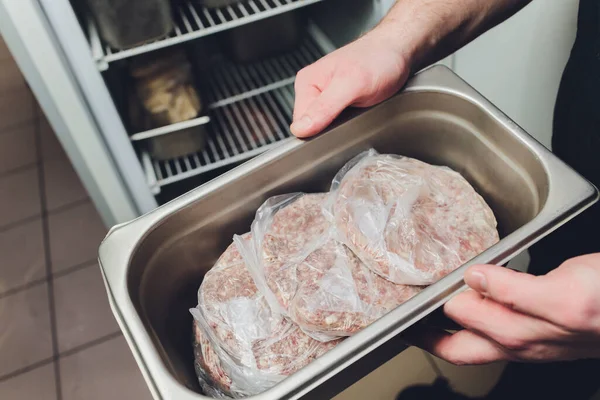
[238, 131]
[193, 21]
[230, 82]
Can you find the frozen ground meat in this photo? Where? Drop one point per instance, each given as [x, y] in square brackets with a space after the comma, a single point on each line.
[337, 295]
[214, 381]
[286, 230]
[316, 281]
[256, 347]
[408, 221]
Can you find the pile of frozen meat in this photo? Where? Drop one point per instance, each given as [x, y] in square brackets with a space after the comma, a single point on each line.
[317, 268]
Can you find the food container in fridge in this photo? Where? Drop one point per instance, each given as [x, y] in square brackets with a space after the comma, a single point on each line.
[216, 3]
[166, 106]
[128, 23]
[265, 38]
[153, 265]
[179, 143]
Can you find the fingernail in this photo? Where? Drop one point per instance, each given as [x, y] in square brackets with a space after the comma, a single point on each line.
[301, 125]
[477, 281]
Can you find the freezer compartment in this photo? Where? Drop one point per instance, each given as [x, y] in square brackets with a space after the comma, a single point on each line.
[154, 265]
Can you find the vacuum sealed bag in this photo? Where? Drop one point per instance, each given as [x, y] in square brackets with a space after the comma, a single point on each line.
[312, 278]
[255, 347]
[408, 221]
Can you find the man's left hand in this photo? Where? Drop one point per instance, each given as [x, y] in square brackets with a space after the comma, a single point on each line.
[514, 316]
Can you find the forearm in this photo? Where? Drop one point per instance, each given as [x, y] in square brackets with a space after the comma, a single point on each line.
[425, 31]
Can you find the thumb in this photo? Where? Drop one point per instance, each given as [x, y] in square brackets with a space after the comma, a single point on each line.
[533, 295]
[325, 107]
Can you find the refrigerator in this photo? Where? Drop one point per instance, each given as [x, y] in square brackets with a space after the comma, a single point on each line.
[79, 80]
[68, 67]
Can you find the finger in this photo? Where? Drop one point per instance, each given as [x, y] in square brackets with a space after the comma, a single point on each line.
[512, 330]
[309, 84]
[539, 296]
[305, 96]
[460, 348]
[335, 97]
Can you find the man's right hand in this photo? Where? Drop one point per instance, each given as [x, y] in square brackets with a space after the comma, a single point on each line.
[361, 74]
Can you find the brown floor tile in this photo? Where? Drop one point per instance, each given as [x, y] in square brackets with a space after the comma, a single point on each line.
[62, 184]
[17, 147]
[408, 368]
[51, 147]
[75, 235]
[22, 257]
[82, 310]
[11, 78]
[105, 371]
[39, 384]
[16, 109]
[19, 196]
[25, 335]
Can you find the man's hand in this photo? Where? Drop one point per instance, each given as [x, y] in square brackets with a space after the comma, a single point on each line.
[514, 316]
[362, 74]
[414, 34]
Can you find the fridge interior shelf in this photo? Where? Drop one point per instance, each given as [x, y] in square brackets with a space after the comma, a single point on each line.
[228, 82]
[238, 131]
[193, 21]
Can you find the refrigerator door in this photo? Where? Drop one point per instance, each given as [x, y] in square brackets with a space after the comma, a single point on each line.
[51, 50]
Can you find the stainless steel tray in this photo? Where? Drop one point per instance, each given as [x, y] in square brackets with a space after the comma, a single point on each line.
[153, 265]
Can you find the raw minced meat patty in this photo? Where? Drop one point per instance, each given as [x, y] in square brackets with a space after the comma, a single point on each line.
[319, 282]
[288, 239]
[213, 378]
[257, 348]
[410, 222]
[338, 295]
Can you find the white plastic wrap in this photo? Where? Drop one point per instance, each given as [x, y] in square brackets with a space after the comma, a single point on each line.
[214, 381]
[408, 221]
[337, 295]
[315, 280]
[286, 229]
[256, 347]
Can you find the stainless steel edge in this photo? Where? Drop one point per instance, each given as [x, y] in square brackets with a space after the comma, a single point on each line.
[118, 247]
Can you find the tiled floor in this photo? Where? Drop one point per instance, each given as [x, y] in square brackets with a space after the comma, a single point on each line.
[58, 338]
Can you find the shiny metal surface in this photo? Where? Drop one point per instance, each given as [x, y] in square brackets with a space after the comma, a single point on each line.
[154, 265]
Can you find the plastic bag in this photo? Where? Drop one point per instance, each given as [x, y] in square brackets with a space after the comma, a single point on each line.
[286, 230]
[257, 347]
[408, 221]
[214, 381]
[338, 295]
[313, 279]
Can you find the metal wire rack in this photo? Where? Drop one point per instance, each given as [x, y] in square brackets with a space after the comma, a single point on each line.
[193, 21]
[230, 82]
[238, 131]
[250, 109]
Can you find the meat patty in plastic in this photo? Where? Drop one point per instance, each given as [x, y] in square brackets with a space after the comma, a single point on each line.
[256, 347]
[410, 222]
[318, 282]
